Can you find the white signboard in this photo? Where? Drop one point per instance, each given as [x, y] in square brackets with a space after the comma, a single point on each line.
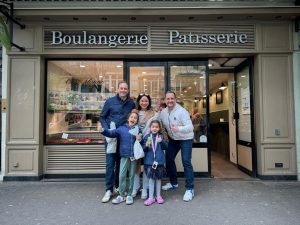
[245, 94]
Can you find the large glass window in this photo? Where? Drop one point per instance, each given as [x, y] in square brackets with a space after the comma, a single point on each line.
[189, 84]
[76, 92]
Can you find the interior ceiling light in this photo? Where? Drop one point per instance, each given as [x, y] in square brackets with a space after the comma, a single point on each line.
[210, 65]
[119, 66]
[223, 86]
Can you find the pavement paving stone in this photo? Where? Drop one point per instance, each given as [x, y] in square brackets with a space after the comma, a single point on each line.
[216, 202]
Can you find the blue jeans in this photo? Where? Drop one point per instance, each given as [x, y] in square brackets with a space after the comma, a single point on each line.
[186, 156]
[112, 170]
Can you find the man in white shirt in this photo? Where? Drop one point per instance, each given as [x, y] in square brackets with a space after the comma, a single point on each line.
[179, 126]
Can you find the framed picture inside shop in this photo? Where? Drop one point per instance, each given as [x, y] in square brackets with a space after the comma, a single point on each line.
[219, 97]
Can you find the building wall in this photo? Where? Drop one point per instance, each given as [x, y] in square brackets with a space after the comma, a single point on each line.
[275, 114]
[3, 113]
[296, 66]
[275, 132]
[24, 116]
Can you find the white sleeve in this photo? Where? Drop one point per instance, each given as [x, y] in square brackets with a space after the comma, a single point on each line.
[186, 121]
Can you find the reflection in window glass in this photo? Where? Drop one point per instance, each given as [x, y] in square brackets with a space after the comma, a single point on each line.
[189, 84]
[148, 80]
[76, 92]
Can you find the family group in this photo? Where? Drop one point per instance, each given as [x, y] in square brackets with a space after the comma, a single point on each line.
[126, 115]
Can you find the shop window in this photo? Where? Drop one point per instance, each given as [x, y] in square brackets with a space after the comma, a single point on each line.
[189, 84]
[76, 92]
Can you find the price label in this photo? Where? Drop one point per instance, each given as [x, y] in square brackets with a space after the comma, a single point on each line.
[64, 136]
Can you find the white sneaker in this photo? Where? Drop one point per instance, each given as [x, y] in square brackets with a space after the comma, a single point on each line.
[134, 193]
[107, 196]
[169, 186]
[144, 194]
[129, 200]
[188, 195]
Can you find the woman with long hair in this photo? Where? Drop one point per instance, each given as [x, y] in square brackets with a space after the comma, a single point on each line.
[146, 115]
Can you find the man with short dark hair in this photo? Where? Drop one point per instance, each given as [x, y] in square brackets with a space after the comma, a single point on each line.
[116, 109]
[179, 126]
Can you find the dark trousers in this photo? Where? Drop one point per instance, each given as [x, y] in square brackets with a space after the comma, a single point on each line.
[112, 170]
[186, 156]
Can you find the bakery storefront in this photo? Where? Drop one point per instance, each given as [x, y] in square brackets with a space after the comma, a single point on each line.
[234, 77]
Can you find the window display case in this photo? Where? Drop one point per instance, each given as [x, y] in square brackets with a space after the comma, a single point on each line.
[76, 93]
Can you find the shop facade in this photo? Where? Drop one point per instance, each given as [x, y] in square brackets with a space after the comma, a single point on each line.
[74, 59]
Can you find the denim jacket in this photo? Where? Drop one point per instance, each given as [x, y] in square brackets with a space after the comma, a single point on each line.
[159, 153]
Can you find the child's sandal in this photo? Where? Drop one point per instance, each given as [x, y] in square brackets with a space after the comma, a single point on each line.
[160, 200]
[149, 201]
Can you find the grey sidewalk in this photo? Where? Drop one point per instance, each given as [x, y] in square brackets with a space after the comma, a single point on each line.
[217, 202]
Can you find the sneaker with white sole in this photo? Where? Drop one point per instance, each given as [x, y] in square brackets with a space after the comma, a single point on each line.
[106, 196]
[129, 200]
[144, 194]
[169, 186]
[119, 199]
[188, 195]
[134, 193]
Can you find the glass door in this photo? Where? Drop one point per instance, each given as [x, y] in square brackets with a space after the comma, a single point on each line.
[243, 115]
[149, 78]
[188, 81]
[186, 78]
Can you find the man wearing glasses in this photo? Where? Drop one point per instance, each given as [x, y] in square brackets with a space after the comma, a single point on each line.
[116, 109]
[179, 126]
